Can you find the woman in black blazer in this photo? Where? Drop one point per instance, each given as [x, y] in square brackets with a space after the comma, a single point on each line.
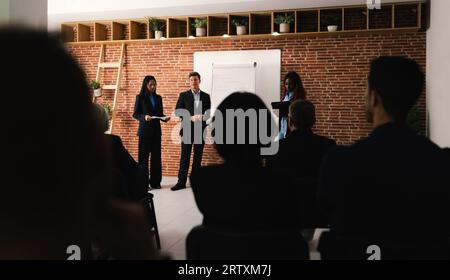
[148, 110]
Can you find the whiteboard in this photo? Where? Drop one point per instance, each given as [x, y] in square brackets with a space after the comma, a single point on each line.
[224, 72]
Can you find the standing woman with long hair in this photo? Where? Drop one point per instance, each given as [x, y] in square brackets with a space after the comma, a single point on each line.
[148, 110]
[293, 90]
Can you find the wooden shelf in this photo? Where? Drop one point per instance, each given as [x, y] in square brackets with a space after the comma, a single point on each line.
[68, 33]
[139, 30]
[119, 30]
[355, 18]
[101, 32]
[261, 23]
[398, 16]
[307, 21]
[218, 25]
[178, 27]
[83, 33]
[276, 27]
[238, 17]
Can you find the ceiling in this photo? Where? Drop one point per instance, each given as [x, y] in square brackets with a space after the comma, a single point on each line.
[86, 10]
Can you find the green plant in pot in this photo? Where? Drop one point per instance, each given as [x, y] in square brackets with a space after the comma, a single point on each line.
[284, 20]
[331, 21]
[108, 110]
[200, 26]
[96, 87]
[157, 26]
[241, 25]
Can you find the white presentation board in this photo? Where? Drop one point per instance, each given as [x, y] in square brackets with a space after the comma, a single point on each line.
[224, 72]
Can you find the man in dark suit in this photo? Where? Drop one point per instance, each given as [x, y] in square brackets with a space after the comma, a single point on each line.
[193, 107]
[394, 184]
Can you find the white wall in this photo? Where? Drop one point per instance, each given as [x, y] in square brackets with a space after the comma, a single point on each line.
[4, 11]
[24, 12]
[438, 72]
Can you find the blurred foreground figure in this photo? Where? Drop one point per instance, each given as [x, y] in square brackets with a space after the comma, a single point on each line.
[55, 172]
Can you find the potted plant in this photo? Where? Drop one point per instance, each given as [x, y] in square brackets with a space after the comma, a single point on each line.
[157, 26]
[200, 26]
[96, 87]
[284, 21]
[331, 21]
[108, 110]
[241, 25]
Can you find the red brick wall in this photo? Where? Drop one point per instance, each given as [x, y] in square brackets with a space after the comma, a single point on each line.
[333, 69]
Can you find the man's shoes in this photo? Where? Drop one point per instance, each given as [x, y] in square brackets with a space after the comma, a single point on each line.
[156, 187]
[177, 187]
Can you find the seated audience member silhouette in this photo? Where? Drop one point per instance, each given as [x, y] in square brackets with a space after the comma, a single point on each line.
[301, 152]
[300, 156]
[241, 193]
[55, 172]
[130, 180]
[394, 183]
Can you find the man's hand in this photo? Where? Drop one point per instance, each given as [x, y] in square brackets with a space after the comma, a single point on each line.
[196, 118]
[148, 118]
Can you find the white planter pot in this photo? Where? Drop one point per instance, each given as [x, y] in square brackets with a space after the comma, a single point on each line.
[332, 28]
[158, 34]
[97, 92]
[200, 32]
[284, 27]
[241, 30]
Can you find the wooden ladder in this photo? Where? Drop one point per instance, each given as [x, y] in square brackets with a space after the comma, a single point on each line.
[116, 87]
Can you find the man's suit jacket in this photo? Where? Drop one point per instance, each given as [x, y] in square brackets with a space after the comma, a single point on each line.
[142, 107]
[393, 183]
[186, 101]
[300, 154]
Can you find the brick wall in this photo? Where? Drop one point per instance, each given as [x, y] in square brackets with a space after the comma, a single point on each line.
[333, 69]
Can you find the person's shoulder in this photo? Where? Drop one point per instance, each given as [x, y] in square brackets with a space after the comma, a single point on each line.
[205, 93]
[183, 93]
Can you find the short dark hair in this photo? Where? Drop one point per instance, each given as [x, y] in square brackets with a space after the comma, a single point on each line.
[399, 81]
[303, 114]
[193, 74]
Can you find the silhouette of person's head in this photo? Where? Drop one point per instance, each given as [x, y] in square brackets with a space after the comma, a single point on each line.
[53, 171]
[293, 83]
[246, 122]
[302, 115]
[394, 85]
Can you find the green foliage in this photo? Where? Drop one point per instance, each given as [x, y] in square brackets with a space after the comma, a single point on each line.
[286, 18]
[155, 24]
[95, 84]
[414, 120]
[200, 22]
[240, 22]
[108, 109]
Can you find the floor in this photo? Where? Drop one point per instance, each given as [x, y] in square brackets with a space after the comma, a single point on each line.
[177, 214]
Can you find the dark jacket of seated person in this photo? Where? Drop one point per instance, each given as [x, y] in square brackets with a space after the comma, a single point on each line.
[130, 180]
[300, 154]
[394, 183]
[241, 193]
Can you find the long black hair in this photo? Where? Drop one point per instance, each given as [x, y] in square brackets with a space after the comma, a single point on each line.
[299, 90]
[145, 82]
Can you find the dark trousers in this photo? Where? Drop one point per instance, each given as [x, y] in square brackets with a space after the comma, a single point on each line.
[151, 146]
[185, 160]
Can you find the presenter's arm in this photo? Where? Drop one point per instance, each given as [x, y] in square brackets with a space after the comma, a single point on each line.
[137, 114]
[207, 113]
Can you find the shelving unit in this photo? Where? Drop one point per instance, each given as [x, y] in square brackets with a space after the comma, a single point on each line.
[178, 27]
[349, 19]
